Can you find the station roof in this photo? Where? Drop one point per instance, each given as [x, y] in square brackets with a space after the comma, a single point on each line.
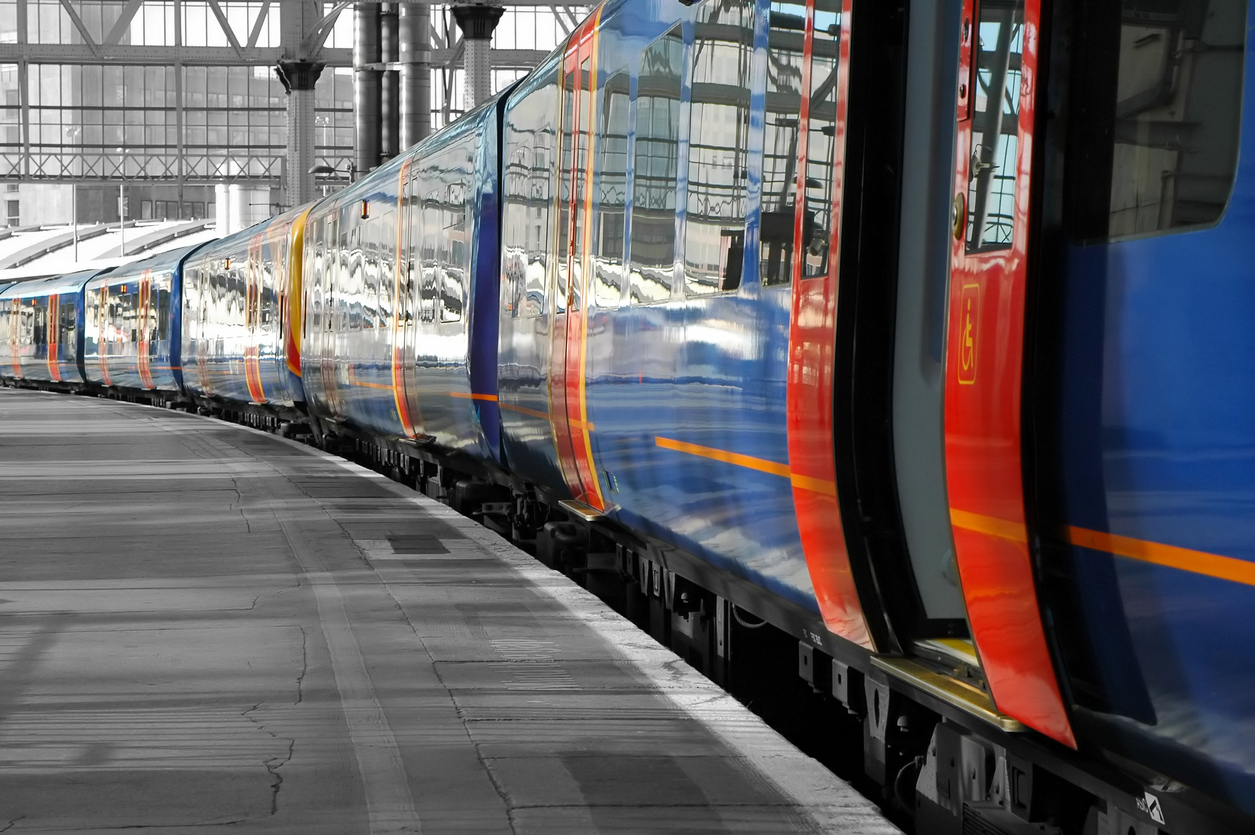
[26, 252]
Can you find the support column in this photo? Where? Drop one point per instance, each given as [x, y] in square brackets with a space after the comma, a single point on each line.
[415, 52]
[298, 79]
[366, 86]
[389, 104]
[477, 24]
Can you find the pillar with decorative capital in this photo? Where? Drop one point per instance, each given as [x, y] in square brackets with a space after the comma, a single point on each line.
[477, 24]
[298, 79]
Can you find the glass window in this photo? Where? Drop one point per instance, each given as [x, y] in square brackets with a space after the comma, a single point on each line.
[995, 126]
[611, 219]
[456, 250]
[714, 237]
[821, 139]
[784, 108]
[1158, 116]
[656, 169]
[539, 229]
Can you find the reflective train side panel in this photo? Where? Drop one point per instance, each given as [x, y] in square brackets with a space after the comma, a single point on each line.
[240, 311]
[650, 227]
[398, 264]
[1149, 394]
[40, 329]
[131, 323]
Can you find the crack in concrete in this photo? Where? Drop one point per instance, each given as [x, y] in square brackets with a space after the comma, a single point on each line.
[12, 823]
[273, 764]
[238, 505]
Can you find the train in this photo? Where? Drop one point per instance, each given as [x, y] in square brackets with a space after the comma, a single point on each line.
[917, 332]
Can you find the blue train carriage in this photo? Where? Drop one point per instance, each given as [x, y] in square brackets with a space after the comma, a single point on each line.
[41, 327]
[242, 311]
[1146, 395]
[133, 318]
[649, 205]
[402, 281]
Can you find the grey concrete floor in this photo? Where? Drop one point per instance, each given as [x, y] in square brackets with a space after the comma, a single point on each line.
[206, 626]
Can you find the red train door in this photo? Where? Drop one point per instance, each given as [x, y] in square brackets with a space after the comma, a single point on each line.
[404, 379]
[103, 334]
[568, 402]
[812, 333]
[54, 348]
[984, 365]
[252, 320]
[144, 345]
[15, 323]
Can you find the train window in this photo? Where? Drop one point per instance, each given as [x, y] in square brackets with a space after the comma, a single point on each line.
[353, 283]
[582, 152]
[431, 233]
[539, 228]
[611, 220]
[566, 162]
[1158, 108]
[995, 126]
[656, 169]
[370, 269]
[163, 314]
[456, 250]
[821, 138]
[714, 236]
[785, 42]
[514, 223]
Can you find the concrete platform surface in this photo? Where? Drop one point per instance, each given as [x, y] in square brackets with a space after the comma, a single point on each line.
[206, 626]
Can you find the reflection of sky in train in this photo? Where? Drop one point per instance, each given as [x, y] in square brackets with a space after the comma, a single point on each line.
[995, 140]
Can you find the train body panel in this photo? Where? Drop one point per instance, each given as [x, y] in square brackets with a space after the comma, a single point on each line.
[40, 329]
[238, 301]
[680, 429]
[397, 264]
[131, 322]
[1155, 411]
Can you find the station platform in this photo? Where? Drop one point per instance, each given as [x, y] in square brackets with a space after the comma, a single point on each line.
[202, 625]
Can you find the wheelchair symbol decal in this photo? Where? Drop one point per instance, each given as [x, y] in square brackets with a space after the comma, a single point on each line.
[969, 332]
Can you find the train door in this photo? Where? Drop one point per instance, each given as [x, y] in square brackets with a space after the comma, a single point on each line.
[54, 348]
[569, 409]
[253, 280]
[144, 330]
[202, 281]
[984, 361]
[104, 333]
[15, 348]
[402, 326]
[326, 338]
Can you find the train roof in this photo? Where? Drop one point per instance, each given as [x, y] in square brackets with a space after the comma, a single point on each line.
[237, 241]
[56, 284]
[162, 262]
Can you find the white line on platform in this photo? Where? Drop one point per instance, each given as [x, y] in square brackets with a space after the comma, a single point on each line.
[831, 803]
[389, 803]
